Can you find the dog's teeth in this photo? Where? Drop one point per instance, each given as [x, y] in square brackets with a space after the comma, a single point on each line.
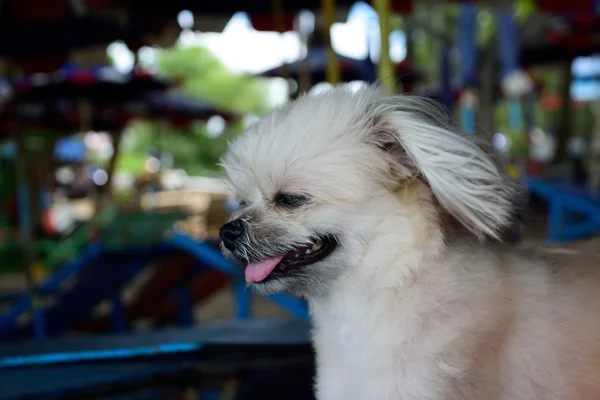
[307, 251]
[317, 245]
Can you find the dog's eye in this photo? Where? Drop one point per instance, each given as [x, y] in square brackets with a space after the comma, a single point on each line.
[290, 200]
[242, 204]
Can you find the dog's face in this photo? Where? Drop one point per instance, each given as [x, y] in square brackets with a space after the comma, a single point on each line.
[316, 179]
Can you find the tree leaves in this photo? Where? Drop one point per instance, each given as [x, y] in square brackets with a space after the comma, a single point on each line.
[202, 76]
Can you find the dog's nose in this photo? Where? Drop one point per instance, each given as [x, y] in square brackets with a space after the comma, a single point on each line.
[231, 232]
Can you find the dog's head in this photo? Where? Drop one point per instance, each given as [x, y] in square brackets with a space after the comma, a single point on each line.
[319, 179]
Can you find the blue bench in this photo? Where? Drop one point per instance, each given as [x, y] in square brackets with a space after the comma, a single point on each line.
[64, 365]
[566, 201]
[58, 365]
[101, 274]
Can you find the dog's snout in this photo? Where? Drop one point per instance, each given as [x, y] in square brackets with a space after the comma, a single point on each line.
[231, 232]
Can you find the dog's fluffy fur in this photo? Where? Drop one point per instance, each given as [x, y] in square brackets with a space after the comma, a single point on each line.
[407, 307]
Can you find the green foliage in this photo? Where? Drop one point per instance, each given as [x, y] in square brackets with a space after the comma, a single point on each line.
[202, 76]
[139, 228]
[486, 32]
[524, 9]
[582, 121]
[396, 22]
[192, 150]
[442, 21]
[7, 179]
[518, 137]
[426, 44]
[188, 62]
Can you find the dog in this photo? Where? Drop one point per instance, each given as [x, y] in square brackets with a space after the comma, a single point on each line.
[388, 221]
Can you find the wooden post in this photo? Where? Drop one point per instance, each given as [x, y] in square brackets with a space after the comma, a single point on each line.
[564, 124]
[26, 225]
[485, 106]
[278, 21]
[328, 14]
[112, 163]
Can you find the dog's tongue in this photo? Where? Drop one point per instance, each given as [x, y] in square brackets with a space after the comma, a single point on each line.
[258, 271]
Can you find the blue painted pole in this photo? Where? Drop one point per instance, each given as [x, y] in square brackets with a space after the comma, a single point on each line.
[467, 117]
[467, 47]
[508, 39]
[515, 114]
[467, 44]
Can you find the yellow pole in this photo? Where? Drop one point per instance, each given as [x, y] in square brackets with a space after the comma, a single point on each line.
[328, 14]
[385, 68]
[278, 15]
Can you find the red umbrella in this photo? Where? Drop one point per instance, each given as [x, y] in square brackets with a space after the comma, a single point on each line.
[266, 22]
[95, 84]
[402, 6]
[551, 102]
[565, 7]
[35, 10]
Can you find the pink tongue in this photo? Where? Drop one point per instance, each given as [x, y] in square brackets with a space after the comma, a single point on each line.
[258, 271]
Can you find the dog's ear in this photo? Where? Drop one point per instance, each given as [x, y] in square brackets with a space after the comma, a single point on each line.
[466, 180]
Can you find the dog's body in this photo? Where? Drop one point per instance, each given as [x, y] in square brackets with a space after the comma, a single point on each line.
[473, 323]
[344, 201]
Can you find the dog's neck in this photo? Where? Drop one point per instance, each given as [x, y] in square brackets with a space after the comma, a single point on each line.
[405, 242]
[403, 248]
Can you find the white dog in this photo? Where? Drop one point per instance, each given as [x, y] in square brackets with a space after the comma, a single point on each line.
[348, 198]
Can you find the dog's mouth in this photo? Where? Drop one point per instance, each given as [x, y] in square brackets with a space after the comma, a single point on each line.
[291, 262]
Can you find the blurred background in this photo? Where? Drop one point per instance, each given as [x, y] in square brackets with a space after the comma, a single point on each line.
[113, 117]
